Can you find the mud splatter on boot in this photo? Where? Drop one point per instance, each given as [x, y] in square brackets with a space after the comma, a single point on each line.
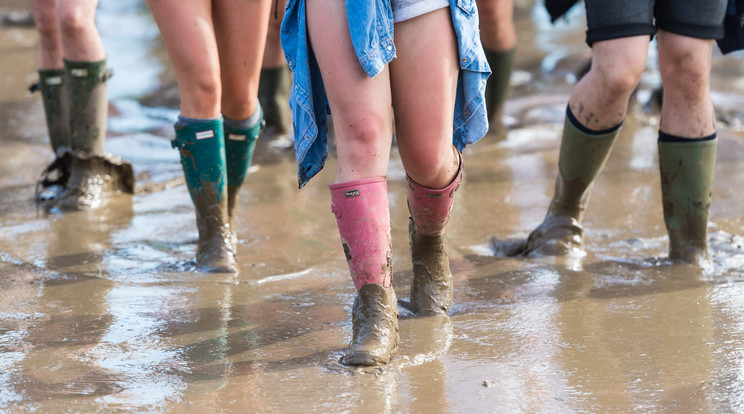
[90, 180]
[687, 168]
[202, 149]
[88, 104]
[432, 286]
[583, 154]
[375, 326]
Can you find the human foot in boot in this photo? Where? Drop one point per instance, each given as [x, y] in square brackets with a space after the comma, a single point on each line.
[215, 251]
[375, 326]
[89, 180]
[431, 287]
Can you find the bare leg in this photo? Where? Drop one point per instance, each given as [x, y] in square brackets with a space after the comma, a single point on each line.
[80, 39]
[425, 99]
[50, 42]
[240, 28]
[687, 144]
[188, 33]
[597, 108]
[424, 102]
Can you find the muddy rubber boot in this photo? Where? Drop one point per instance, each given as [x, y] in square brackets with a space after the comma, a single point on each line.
[202, 148]
[363, 218]
[497, 87]
[582, 157]
[88, 101]
[54, 97]
[431, 287]
[374, 325]
[90, 180]
[94, 175]
[273, 93]
[687, 168]
[56, 110]
[240, 141]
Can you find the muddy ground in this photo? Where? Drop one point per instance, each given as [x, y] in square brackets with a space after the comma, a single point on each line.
[104, 312]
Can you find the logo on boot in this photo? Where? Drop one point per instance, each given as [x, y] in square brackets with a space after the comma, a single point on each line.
[351, 193]
[205, 134]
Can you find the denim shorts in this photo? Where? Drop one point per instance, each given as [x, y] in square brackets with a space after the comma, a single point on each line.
[613, 19]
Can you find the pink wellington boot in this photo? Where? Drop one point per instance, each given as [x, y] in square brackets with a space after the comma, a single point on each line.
[431, 287]
[363, 217]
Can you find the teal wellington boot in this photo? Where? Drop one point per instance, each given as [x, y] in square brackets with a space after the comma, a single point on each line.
[202, 149]
[240, 142]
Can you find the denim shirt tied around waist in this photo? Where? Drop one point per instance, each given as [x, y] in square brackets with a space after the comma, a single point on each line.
[371, 29]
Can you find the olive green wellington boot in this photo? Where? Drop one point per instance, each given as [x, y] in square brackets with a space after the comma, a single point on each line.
[582, 157]
[56, 110]
[94, 176]
[687, 168]
[54, 97]
[202, 148]
[497, 87]
[240, 142]
[273, 93]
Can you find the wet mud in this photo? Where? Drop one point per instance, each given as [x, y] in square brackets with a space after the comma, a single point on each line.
[105, 311]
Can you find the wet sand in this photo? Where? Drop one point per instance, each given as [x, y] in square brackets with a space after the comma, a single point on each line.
[104, 312]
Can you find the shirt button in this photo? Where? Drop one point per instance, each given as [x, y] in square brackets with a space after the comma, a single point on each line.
[389, 47]
[465, 60]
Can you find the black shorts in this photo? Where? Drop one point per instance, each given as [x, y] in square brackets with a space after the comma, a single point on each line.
[614, 19]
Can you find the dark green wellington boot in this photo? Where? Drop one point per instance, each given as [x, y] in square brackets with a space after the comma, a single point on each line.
[54, 97]
[687, 169]
[94, 176]
[56, 110]
[497, 87]
[582, 157]
[202, 149]
[273, 93]
[239, 146]
[88, 101]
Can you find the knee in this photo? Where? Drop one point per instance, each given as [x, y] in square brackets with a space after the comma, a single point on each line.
[367, 132]
[46, 24]
[429, 165]
[73, 21]
[686, 76]
[201, 93]
[617, 81]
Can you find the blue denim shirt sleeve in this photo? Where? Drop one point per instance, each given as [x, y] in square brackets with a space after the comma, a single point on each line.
[371, 29]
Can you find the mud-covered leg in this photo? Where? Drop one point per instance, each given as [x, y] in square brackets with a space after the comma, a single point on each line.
[431, 287]
[687, 168]
[582, 156]
[240, 141]
[202, 147]
[363, 218]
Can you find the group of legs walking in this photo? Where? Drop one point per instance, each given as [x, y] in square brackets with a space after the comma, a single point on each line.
[217, 49]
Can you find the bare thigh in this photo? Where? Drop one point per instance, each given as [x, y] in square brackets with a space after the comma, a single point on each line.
[188, 34]
[240, 29]
[360, 105]
[424, 84]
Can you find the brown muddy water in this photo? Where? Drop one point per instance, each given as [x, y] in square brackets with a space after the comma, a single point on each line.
[103, 311]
